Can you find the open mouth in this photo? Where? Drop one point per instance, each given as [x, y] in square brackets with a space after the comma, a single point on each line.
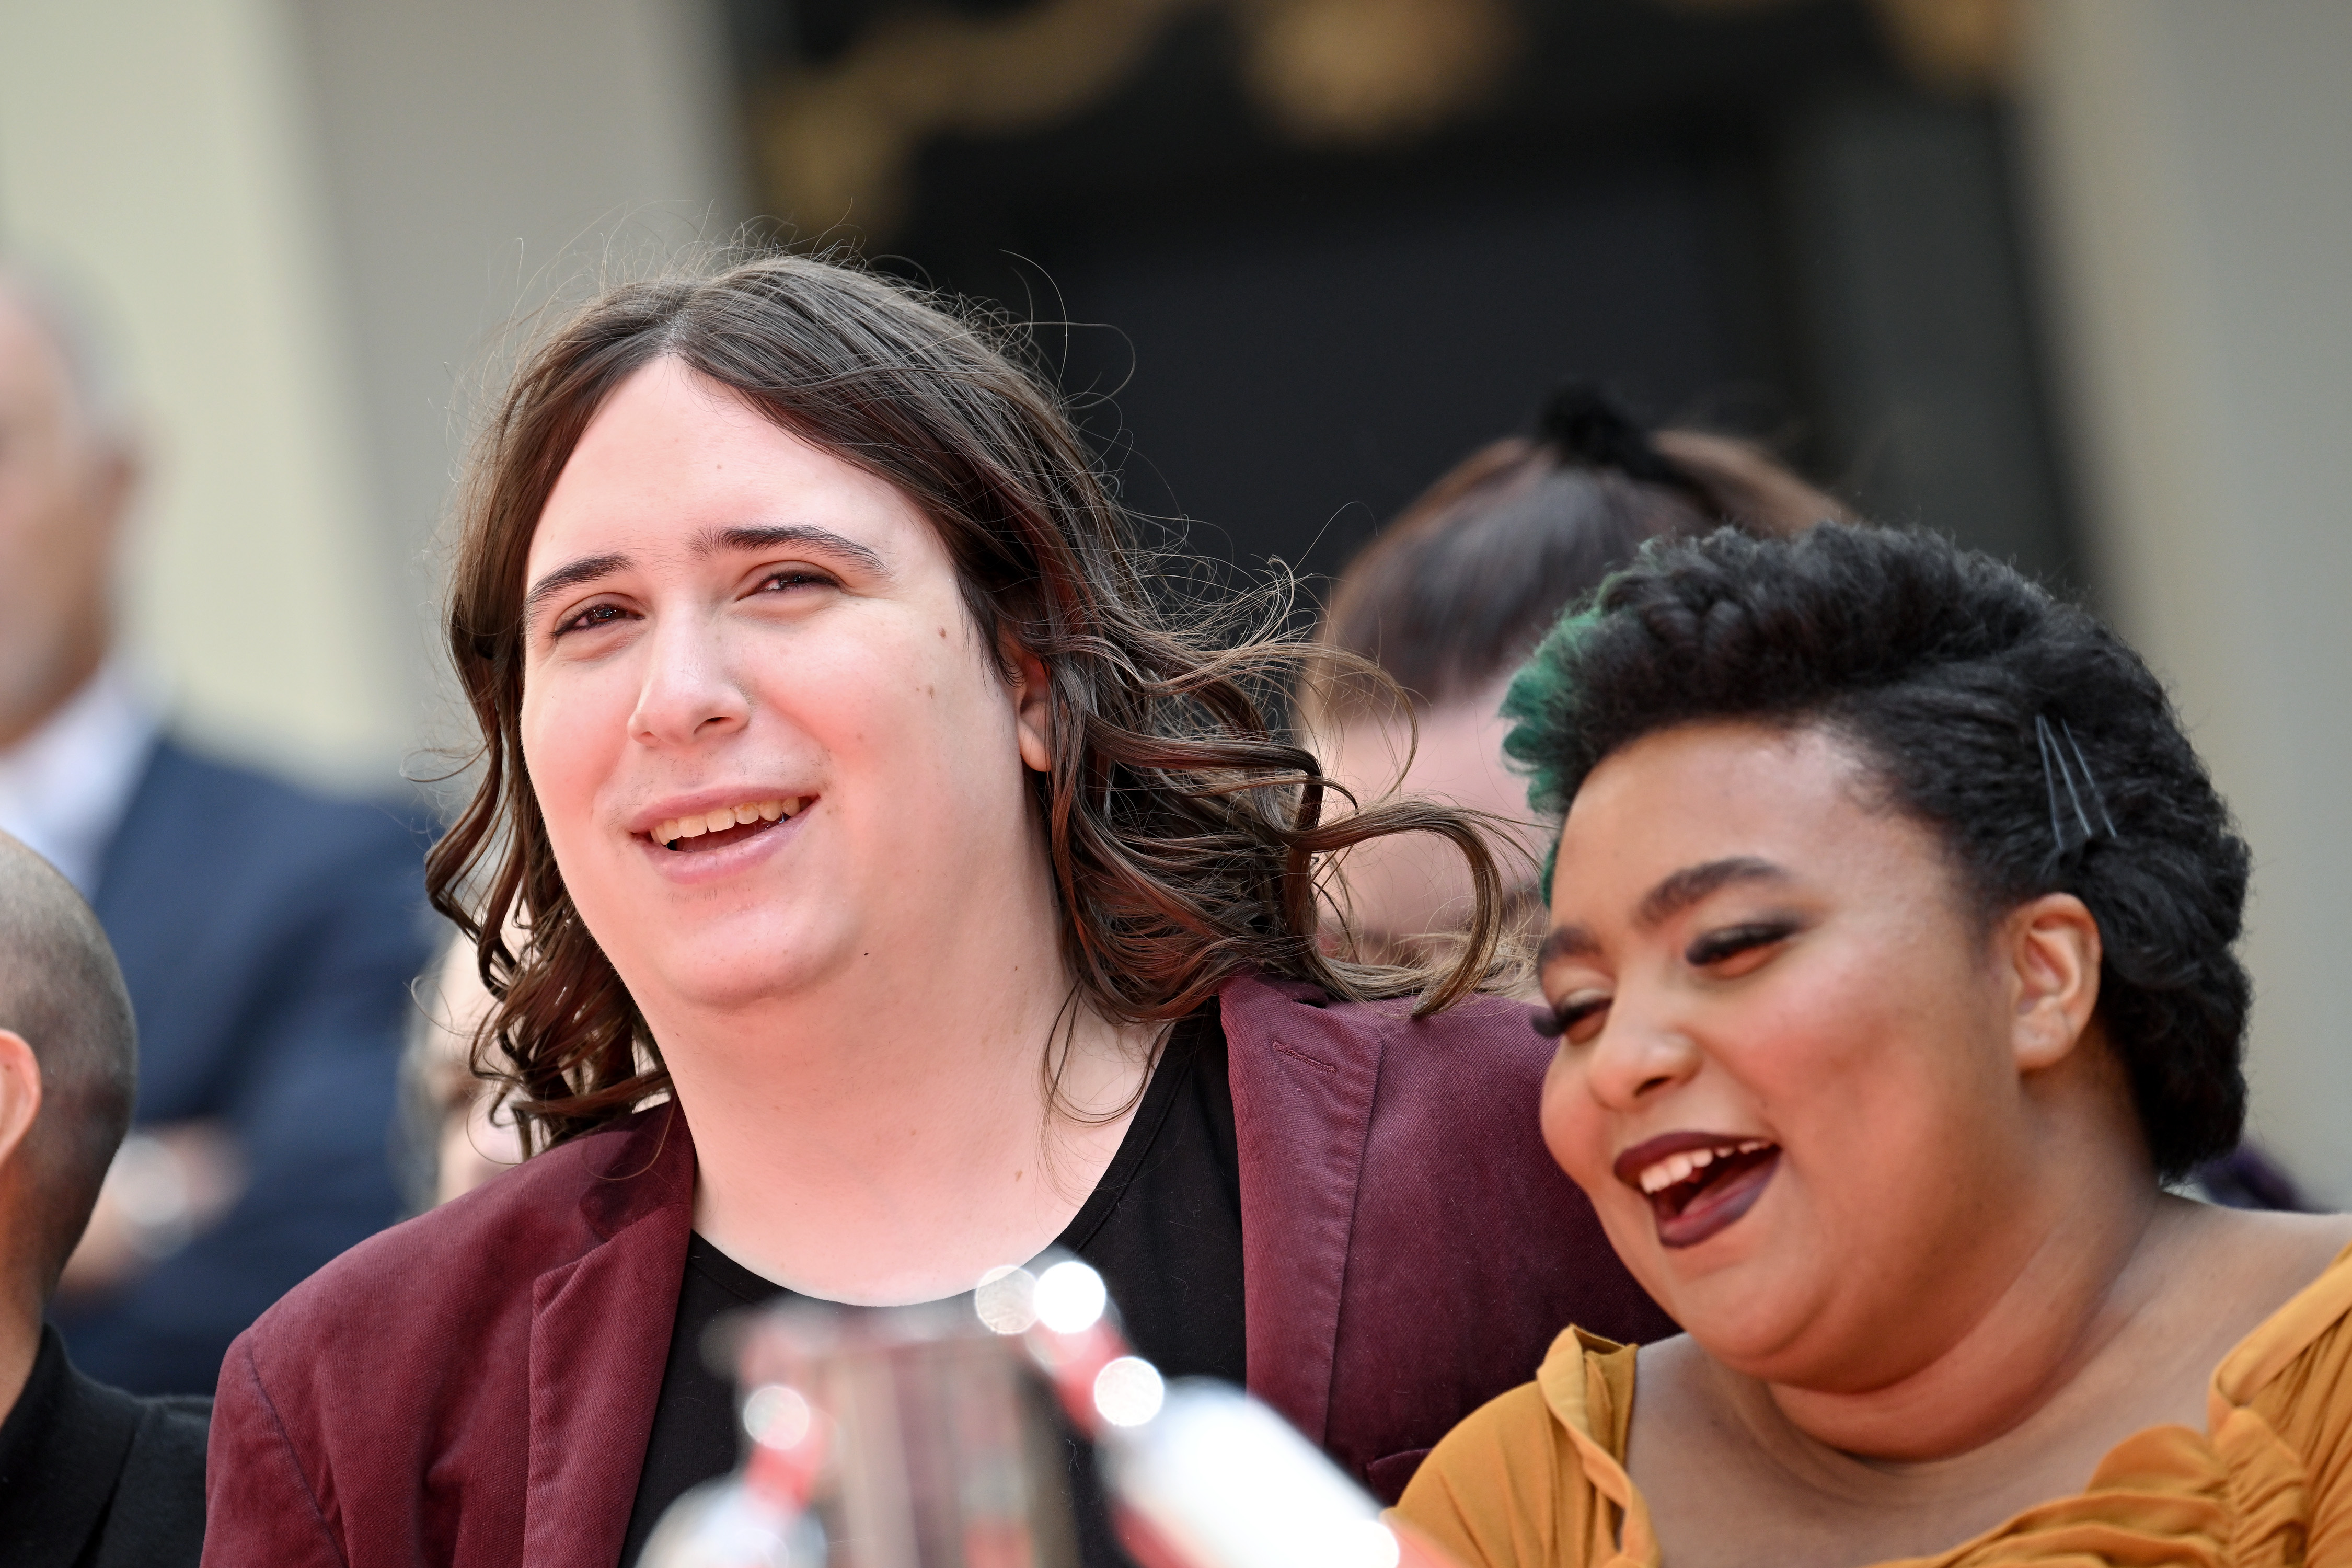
[726, 825]
[1698, 1182]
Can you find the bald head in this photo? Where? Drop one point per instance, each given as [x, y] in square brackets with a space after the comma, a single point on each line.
[66, 476]
[62, 991]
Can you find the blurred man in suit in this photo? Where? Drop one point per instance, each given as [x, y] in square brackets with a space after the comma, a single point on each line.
[89, 1476]
[267, 934]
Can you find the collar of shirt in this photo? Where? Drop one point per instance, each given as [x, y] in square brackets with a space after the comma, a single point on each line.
[63, 787]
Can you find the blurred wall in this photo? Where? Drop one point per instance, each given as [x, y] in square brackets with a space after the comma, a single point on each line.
[2194, 165]
[155, 151]
[308, 218]
[487, 154]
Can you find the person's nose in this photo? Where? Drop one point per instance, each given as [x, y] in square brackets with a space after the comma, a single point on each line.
[691, 691]
[1643, 1048]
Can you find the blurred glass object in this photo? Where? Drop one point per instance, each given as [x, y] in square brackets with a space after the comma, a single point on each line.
[920, 1437]
[903, 1437]
[1223, 1482]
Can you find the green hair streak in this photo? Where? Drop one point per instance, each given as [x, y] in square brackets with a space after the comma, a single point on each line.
[1540, 702]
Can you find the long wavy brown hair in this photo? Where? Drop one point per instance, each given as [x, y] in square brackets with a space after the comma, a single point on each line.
[1189, 835]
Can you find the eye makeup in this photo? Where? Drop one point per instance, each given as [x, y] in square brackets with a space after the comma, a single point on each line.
[1713, 947]
[1551, 1023]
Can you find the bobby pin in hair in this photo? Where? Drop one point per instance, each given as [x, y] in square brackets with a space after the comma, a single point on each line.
[2063, 762]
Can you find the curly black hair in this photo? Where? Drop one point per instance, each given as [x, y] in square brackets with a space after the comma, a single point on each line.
[1948, 673]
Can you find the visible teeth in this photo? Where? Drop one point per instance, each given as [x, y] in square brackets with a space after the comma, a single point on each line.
[672, 829]
[1680, 1167]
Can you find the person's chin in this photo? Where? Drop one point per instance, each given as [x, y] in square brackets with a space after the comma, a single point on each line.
[1747, 1308]
[720, 987]
[1747, 1326]
[734, 958]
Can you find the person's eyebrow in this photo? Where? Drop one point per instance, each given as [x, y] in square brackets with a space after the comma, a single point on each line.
[1662, 903]
[712, 541]
[587, 569]
[718, 540]
[1566, 941]
[1686, 886]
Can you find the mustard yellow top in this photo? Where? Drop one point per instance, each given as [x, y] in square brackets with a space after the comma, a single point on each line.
[1537, 1479]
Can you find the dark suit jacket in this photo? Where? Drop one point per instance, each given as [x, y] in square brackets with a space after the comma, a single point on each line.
[92, 1478]
[476, 1387]
[268, 936]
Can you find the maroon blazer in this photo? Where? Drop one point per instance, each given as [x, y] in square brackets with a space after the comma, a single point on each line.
[477, 1386]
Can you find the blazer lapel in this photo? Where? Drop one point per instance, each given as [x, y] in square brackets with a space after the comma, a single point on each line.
[1303, 1088]
[599, 1341]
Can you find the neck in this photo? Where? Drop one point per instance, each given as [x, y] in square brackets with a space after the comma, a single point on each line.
[2080, 1287]
[20, 1346]
[2073, 1272]
[53, 682]
[888, 1136]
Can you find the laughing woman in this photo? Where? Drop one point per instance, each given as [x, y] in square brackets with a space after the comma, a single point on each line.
[908, 888]
[1890, 960]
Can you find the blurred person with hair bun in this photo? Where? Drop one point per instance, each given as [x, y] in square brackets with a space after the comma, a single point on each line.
[1454, 593]
[268, 934]
[879, 878]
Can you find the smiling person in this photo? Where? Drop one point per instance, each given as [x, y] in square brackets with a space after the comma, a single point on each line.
[1891, 962]
[909, 887]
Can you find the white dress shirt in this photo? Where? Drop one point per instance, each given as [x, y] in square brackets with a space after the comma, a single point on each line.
[63, 787]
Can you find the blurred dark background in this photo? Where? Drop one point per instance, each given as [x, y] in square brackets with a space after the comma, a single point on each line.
[1761, 220]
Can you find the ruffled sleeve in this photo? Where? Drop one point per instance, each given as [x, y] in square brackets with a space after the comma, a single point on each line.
[1532, 1479]
[2281, 1415]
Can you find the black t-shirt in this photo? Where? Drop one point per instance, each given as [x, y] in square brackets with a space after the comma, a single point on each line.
[1164, 1228]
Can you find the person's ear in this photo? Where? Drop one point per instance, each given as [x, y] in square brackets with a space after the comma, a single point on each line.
[1033, 705]
[20, 1092]
[2052, 951]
